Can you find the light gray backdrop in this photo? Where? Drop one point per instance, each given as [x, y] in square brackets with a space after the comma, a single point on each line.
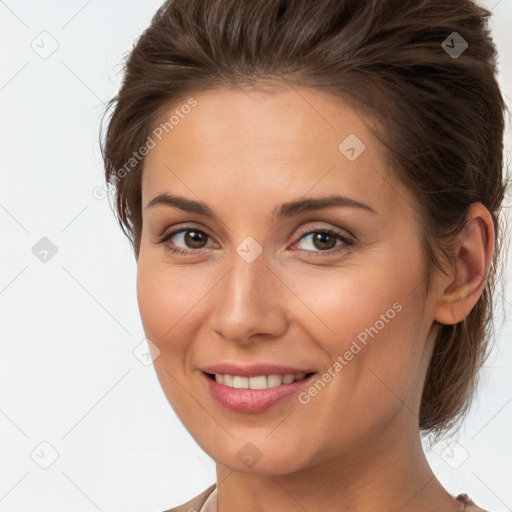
[84, 425]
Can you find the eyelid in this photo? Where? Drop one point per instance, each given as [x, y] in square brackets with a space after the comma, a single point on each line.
[182, 226]
[333, 230]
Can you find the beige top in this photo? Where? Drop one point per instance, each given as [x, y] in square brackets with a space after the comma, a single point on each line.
[207, 500]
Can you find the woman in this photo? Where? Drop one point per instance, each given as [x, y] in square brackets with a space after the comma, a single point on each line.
[312, 193]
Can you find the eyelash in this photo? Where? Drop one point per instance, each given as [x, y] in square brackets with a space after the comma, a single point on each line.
[347, 242]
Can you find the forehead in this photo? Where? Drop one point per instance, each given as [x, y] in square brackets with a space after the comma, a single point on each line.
[242, 144]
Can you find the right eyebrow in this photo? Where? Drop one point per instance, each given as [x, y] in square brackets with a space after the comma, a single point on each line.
[186, 205]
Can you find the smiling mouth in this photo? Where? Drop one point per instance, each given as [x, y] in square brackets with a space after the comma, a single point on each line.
[257, 382]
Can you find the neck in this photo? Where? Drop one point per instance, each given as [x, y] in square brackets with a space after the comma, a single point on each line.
[389, 473]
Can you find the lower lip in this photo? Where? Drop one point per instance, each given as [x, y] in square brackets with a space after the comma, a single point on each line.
[252, 400]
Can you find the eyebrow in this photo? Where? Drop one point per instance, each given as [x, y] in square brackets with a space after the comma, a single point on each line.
[283, 211]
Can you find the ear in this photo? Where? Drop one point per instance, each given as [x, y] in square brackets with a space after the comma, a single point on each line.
[460, 290]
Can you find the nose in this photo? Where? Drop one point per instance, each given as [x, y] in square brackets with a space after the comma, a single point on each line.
[251, 302]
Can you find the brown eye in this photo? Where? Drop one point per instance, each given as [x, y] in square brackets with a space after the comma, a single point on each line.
[190, 240]
[194, 239]
[324, 241]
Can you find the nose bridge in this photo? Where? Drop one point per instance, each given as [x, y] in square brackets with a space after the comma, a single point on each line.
[246, 286]
[248, 301]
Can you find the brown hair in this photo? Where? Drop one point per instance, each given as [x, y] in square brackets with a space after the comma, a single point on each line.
[440, 117]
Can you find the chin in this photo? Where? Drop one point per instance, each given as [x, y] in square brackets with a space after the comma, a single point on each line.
[257, 456]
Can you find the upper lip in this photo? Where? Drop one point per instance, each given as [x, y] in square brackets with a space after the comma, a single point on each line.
[255, 369]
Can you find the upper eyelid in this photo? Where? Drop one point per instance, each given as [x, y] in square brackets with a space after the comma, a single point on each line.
[335, 230]
[182, 229]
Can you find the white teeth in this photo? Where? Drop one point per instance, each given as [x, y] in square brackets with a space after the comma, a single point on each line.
[288, 379]
[240, 382]
[274, 380]
[259, 382]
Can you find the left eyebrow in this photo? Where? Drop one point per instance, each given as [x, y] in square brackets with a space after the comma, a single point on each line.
[302, 205]
[283, 211]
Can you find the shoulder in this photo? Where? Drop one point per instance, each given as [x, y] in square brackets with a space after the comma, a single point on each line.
[195, 504]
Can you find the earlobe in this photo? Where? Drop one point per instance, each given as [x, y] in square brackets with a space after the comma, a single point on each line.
[460, 290]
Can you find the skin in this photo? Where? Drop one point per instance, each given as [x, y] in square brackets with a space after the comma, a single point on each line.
[356, 445]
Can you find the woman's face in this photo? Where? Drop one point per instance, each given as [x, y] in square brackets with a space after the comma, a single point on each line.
[263, 283]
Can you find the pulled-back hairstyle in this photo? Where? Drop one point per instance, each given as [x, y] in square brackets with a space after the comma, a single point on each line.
[439, 116]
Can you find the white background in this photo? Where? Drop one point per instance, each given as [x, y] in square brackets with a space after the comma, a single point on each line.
[68, 374]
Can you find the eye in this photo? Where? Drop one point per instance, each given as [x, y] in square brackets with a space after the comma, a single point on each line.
[191, 237]
[325, 240]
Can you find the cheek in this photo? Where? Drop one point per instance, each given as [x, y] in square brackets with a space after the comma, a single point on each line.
[374, 320]
[338, 307]
[153, 302]
[166, 297]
